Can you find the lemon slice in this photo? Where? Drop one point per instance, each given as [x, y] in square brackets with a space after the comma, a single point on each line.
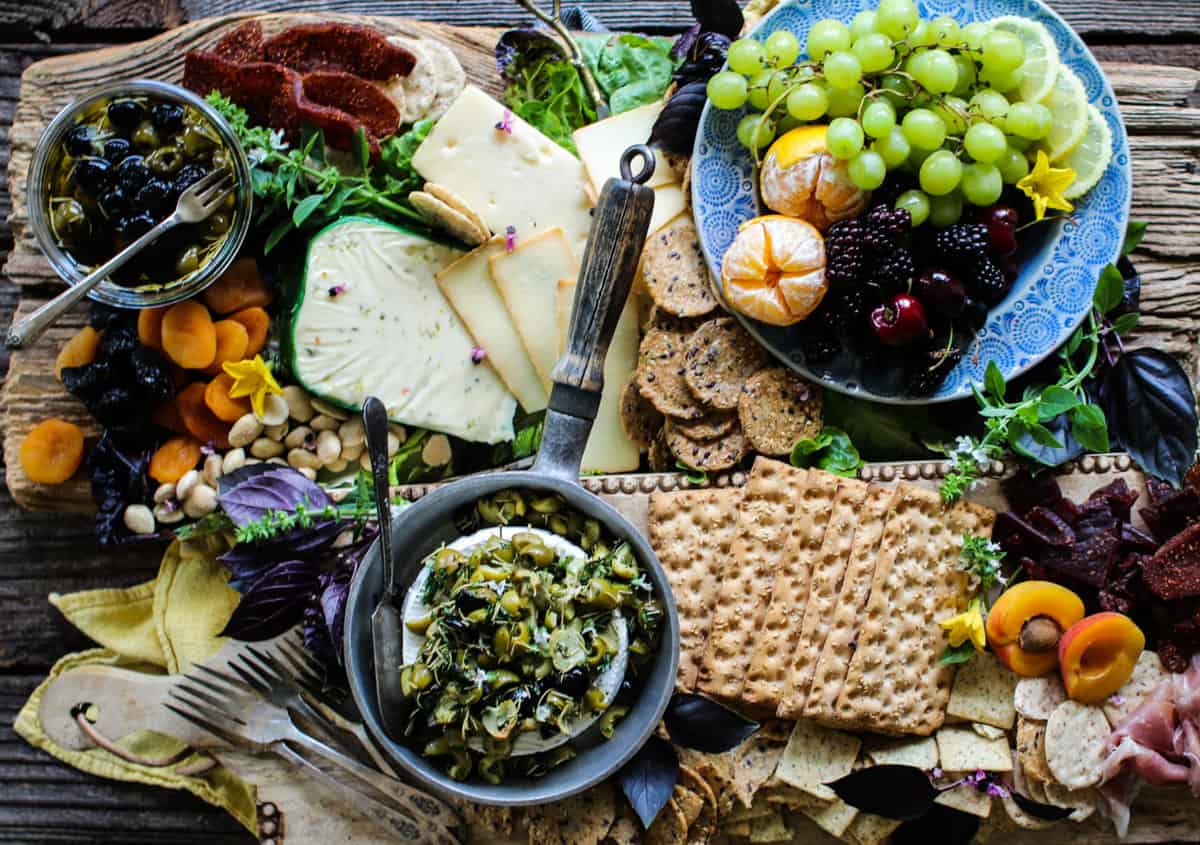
[1068, 103]
[1090, 156]
[1041, 56]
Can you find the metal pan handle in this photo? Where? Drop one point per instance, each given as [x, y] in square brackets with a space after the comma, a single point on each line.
[619, 227]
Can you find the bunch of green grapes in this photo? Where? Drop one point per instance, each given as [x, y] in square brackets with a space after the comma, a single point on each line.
[898, 92]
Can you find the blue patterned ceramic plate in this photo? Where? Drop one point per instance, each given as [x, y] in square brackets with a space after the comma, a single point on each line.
[1053, 292]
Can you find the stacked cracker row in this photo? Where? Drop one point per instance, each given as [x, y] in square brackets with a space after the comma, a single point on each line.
[808, 595]
[703, 393]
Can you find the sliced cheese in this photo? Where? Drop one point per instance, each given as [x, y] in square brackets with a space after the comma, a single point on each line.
[601, 145]
[467, 283]
[372, 322]
[608, 448]
[527, 279]
[519, 178]
[669, 201]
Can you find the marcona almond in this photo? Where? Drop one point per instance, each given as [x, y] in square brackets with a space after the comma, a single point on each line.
[329, 447]
[183, 487]
[303, 459]
[234, 459]
[337, 466]
[351, 453]
[265, 447]
[296, 437]
[323, 407]
[324, 422]
[352, 433]
[299, 406]
[307, 472]
[212, 470]
[139, 519]
[202, 502]
[275, 410]
[164, 493]
[245, 431]
[276, 432]
[168, 513]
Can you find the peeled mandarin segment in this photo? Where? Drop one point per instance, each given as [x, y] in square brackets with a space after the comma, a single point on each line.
[775, 270]
[747, 258]
[798, 144]
[815, 187]
[758, 301]
[840, 197]
[803, 292]
[1097, 654]
[1027, 664]
[796, 246]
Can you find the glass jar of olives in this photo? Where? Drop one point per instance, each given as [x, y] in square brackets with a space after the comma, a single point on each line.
[112, 165]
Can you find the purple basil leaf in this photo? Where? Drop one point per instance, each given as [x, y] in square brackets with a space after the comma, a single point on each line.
[244, 473]
[280, 489]
[248, 560]
[524, 43]
[276, 602]
[1045, 812]
[902, 793]
[702, 724]
[649, 778]
[723, 16]
[333, 607]
[675, 129]
[941, 824]
[683, 44]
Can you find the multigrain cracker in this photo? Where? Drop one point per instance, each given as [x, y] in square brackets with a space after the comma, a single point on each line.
[868, 829]
[717, 772]
[960, 749]
[658, 456]
[1076, 744]
[627, 829]
[1148, 673]
[816, 756]
[776, 639]
[657, 318]
[828, 569]
[674, 270]
[482, 819]
[709, 455]
[449, 219]
[720, 356]
[582, 819]
[830, 670]
[965, 797]
[669, 827]
[772, 828]
[765, 522]
[1031, 749]
[833, 818]
[703, 825]
[1036, 698]
[920, 753]
[708, 427]
[660, 375]
[754, 762]
[896, 682]
[691, 532]
[778, 408]
[640, 420]
[690, 804]
[983, 692]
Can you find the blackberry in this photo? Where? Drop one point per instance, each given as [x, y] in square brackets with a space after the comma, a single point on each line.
[987, 282]
[929, 371]
[844, 309]
[885, 228]
[894, 271]
[820, 346]
[844, 257]
[963, 242]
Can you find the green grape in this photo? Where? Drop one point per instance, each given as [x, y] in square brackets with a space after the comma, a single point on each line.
[916, 157]
[787, 123]
[1002, 81]
[940, 173]
[937, 71]
[917, 203]
[844, 138]
[953, 112]
[1002, 51]
[842, 69]
[893, 148]
[827, 36]
[898, 90]
[1022, 120]
[782, 48]
[1013, 166]
[779, 86]
[981, 183]
[746, 56]
[758, 92]
[974, 33]
[864, 23]
[967, 75]
[990, 104]
[924, 129]
[897, 18]
[879, 118]
[755, 131]
[921, 35]
[1043, 121]
[985, 143]
[808, 101]
[914, 65]
[1019, 143]
[945, 210]
[874, 52]
[727, 90]
[867, 170]
[945, 31]
[844, 102]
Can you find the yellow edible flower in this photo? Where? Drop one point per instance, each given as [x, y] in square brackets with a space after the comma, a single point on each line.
[967, 625]
[1045, 184]
[252, 377]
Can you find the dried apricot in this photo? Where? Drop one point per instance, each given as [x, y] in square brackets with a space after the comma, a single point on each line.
[79, 350]
[257, 323]
[223, 406]
[174, 458]
[201, 423]
[232, 341]
[149, 326]
[52, 452]
[188, 336]
[241, 286]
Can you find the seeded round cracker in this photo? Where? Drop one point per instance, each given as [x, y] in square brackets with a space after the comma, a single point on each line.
[675, 272]
[708, 427]
[1036, 698]
[660, 375]
[720, 356]
[420, 86]
[1031, 749]
[777, 408]
[1076, 740]
[582, 819]
[659, 456]
[1148, 673]
[1082, 802]
[657, 318]
[669, 826]
[449, 219]
[704, 826]
[640, 420]
[456, 202]
[708, 455]
[448, 73]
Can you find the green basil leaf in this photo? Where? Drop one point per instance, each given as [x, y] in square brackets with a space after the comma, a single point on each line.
[1126, 323]
[809, 446]
[1110, 288]
[1134, 232]
[993, 380]
[1075, 341]
[695, 476]
[1089, 427]
[957, 654]
[362, 150]
[305, 208]
[1055, 400]
[1043, 436]
[281, 230]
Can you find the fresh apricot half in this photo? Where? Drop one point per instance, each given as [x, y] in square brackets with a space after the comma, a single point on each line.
[1097, 654]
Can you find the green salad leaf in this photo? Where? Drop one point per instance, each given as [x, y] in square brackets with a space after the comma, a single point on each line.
[831, 450]
[631, 70]
[547, 92]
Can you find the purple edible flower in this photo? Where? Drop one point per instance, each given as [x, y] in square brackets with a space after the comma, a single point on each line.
[337, 289]
[996, 790]
[209, 448]
[505, 124]
[478, 353]
[510, 238]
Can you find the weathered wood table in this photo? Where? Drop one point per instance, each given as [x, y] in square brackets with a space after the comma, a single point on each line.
[1150, 50]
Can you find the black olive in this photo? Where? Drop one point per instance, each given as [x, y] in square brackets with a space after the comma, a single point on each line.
[154, 197]
[573, 682]
[113, 202]
[115, 149]
[625, 694]
[167, 117]
[189, 175]
[133, 226]
[455, 625]
[524, 698]
[125, 114]
[93, 174]
[132, 174]
[78, 141]
[467, 601]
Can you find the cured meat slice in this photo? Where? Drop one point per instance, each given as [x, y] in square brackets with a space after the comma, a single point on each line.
[354, 49]
[359, 98]
[242, 44]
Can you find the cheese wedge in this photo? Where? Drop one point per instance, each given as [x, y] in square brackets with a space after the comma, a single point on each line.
[517, 178]
[527, 279]
[467, 283]
[601, 145]
[669, 201]
[608, 448]
[370, 321]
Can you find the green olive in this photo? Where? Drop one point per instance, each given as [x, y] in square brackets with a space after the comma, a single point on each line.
[608, 722]
[501, 508]
[438, 747]
[419, 624]
[601, 593]
[504, 552]
[624, 564]
[546, 504]
[145, 137]
[188, 261]
[69, 221]
[477, 616]
[558, 524]
[491, 769]
[520, 635]
[217, 225]
[502, 642]
[594, 698]
[499, 678]
[415, 678]
[550, 620]
[199, 138]
[448, 560]
[511, 602]
[599, 651]
[485, 661]
[460, 768]
[222, 160]
[165, 161]
[487, 572]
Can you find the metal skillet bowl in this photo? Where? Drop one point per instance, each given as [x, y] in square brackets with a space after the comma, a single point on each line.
[621, 219]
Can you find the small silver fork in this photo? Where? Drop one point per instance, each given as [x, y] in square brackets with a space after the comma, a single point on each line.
[196, 204]
[232, 710]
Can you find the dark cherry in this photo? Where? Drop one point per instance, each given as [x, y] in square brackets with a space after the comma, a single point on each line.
[975, 313]
[1001, 222]
[116, 149]
[941, 290]
[125, 114]
[78, 141]
[93, 174]
[166, 117]
[900, 321]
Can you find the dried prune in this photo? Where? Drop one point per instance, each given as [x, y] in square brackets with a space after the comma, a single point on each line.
[117, 466]
[151, 375]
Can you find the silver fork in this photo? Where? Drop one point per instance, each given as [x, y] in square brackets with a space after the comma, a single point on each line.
[196, 204]
[237, 710]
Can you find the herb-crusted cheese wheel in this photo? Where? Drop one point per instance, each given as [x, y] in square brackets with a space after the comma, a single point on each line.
[775, 270]
[799, 178]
